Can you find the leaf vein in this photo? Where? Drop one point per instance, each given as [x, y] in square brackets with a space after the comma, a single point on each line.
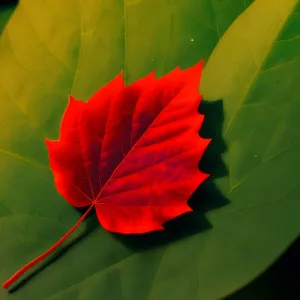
[25, 159]
[40, 38]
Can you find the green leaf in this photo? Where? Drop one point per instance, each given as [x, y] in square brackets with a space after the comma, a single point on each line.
[52, 48]
[256, 68]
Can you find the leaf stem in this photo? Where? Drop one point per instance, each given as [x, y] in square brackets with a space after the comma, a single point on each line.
[13, 278]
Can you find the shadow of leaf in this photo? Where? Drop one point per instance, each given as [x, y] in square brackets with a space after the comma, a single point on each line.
[207, 197]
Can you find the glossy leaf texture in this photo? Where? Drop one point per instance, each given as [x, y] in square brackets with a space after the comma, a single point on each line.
[133, 152]
[73, 47]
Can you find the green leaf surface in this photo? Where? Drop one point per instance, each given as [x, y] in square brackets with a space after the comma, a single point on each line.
[256, 66]
[52, 48]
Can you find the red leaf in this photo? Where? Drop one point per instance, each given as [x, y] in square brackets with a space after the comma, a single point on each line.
[131, 152]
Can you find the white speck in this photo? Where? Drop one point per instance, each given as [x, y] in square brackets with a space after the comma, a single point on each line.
[152, 59]
[192, 40]
[255, 155]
